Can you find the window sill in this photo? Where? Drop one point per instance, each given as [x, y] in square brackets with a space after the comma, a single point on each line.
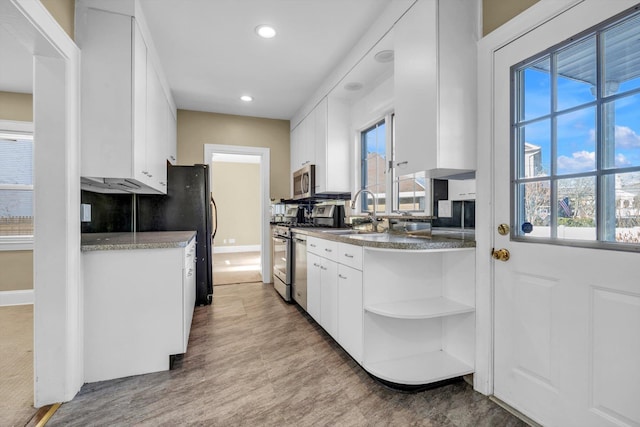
[16, 243]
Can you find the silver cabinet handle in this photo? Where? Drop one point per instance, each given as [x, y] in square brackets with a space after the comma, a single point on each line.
[316, 265]
[328, 250]
[348, 255]
[323, 268]
[312, 245]
[341, 276]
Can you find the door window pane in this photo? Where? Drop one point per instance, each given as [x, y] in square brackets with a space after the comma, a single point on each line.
[576, 141]
[536, 83]
[16, 162]
[621, 57]
[535, 201]
[577, 208]
[623, 192]
[536, 149]
[621, 132]
[576, 74]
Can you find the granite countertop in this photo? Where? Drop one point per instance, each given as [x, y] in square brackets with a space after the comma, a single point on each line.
[143, 240]
[440, 239]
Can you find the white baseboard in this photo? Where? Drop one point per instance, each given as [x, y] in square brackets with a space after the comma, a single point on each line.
[230, 249]
[16, 297]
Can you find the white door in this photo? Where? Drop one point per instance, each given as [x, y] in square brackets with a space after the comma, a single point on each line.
[567, 319]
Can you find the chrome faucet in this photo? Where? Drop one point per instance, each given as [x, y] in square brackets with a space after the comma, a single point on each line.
[375, 203]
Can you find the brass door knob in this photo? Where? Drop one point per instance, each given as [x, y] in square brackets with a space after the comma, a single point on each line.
[500, 254]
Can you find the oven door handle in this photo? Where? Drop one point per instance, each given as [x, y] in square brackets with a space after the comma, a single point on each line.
[280, 239]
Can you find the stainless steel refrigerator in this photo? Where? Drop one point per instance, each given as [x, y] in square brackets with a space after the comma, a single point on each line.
[188, 205]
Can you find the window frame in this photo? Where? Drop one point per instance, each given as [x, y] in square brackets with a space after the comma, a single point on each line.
[599, 173]
[387, 121]
[14, 128]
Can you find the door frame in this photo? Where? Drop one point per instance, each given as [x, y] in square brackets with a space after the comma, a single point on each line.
[533, 17]
[58, 304]
[265, 201]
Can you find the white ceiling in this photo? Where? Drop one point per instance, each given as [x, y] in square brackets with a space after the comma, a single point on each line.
[211, 54]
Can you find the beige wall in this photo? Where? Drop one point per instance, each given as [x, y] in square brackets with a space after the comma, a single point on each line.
[64, 12]
[236, 189]
[17, 270]
[197, 128]
[497, 12]
[16, 106]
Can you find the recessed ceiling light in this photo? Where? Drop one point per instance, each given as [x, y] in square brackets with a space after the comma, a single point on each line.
[246, 98]
[384, 56]
[265, 31]
[353, 86]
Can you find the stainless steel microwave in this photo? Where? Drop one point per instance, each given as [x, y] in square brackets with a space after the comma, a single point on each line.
[304, 182]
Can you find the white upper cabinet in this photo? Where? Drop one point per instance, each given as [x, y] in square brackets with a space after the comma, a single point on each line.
[462, 189]
[322, 139]
[128, 118]
[332, 146]
[435, 94]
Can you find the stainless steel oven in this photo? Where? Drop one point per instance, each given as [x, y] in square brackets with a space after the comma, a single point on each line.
[282, 256]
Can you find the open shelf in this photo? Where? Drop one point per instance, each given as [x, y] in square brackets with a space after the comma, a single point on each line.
[425, 308]
[419, 369]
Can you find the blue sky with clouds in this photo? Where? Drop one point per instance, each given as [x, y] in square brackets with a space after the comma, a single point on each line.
[576, 131]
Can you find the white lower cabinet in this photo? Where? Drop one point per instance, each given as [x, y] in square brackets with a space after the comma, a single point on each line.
[313, 285]
[334, 291]
[138, 307]
[350, 310]
[408, 317]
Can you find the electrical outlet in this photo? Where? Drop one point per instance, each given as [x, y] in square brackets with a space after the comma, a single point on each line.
[232, 241]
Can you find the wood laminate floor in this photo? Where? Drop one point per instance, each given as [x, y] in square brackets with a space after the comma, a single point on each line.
[254, 360]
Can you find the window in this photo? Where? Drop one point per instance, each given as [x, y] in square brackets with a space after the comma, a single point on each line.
[576, 140]
[408, 193]
[16, 186]
[374, 166]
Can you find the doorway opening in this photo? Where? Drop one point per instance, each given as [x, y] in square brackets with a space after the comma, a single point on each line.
[240, 186]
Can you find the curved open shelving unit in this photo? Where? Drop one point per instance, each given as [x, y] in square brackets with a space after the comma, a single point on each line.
[419, 369]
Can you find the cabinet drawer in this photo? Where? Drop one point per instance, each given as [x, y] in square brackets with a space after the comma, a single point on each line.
[350, 255]
[324, 248]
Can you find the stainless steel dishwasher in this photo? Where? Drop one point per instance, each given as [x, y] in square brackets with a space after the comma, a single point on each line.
[299, 280]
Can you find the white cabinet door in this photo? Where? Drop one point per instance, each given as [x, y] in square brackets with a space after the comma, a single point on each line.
[107, 105]
[434, 79]
[172, 135]
[329, 297]
[156, 130]
[314, 294]
[139, 119]
[350, 311]
[415, 91]
[320, 145]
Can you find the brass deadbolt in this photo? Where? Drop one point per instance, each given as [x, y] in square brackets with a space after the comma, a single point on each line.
[503, 229]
